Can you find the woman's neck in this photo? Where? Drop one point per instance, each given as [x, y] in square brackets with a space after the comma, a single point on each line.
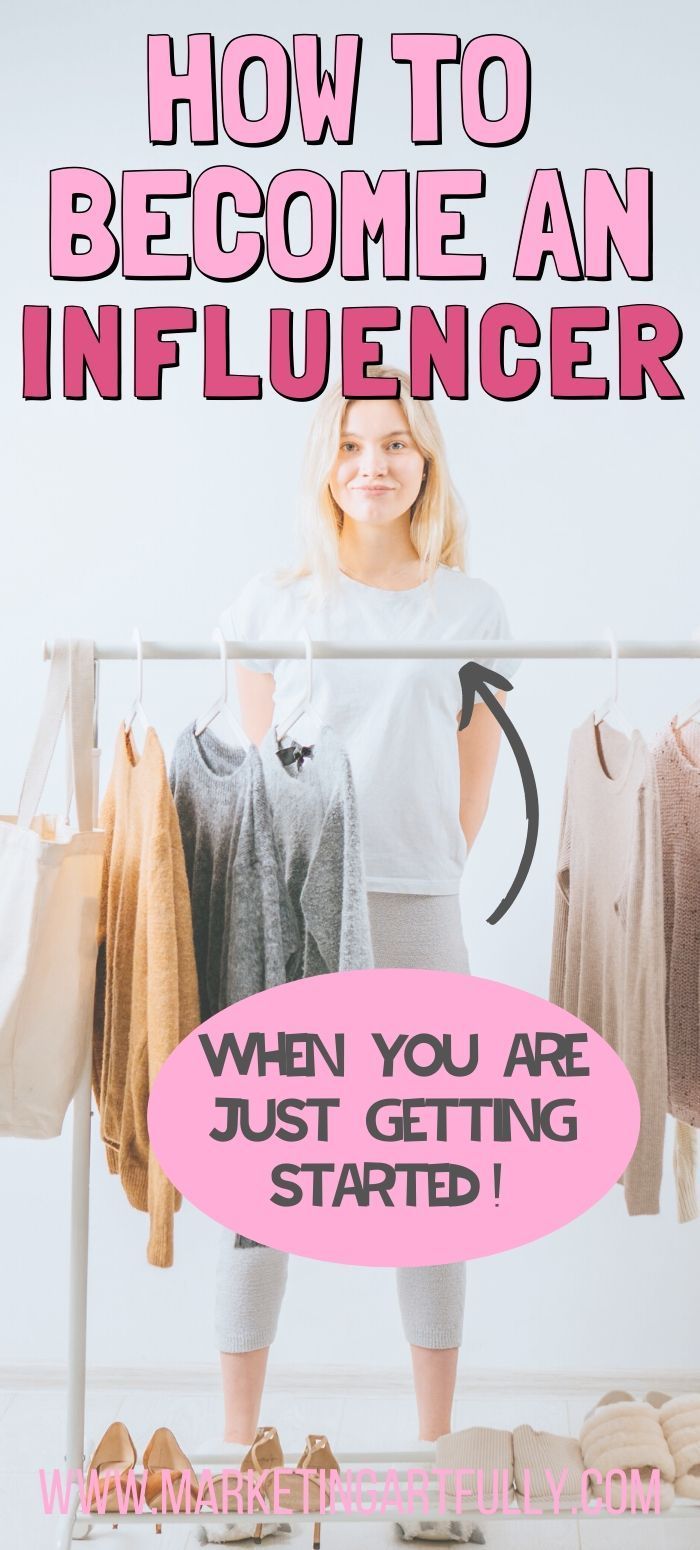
[378, 555]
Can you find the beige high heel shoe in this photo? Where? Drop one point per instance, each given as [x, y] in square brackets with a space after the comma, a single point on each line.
[164, 1452]
[265, 1453]
[115, 1454]
[317, 1455]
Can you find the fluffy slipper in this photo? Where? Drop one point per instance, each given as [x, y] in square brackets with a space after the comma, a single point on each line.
[624, 1433]
[680, 1421]
[233, 1533]
[454, 1532]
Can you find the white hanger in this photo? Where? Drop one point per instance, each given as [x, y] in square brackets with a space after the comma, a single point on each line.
[221, 705]
[611, 703]
[692, 711]
[137, 712]
[304, 706]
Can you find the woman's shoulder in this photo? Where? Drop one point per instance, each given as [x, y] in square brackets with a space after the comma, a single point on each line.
[469, 594]
[264, 598]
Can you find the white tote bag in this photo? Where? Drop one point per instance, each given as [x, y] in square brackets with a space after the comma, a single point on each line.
[50, 875]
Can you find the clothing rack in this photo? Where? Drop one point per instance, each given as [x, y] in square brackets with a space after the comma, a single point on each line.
[462, 651]
[79, 1526]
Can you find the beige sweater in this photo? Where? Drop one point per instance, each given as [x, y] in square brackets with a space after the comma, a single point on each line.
[146, 997]
[677, 763]
[608, 958]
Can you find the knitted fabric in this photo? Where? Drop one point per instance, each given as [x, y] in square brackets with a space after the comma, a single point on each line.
[146, 986]
[251, 1279]
[685, 1164]
[244, 930]
[418, 931]
[676, 755]
[317, 832]
[485, 1450]
[608, 956]
[543, 1459]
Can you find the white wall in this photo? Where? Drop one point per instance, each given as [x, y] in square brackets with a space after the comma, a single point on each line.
[582, 515]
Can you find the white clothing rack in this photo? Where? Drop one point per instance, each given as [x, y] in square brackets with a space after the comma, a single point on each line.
[194, 651]
[77, 1525]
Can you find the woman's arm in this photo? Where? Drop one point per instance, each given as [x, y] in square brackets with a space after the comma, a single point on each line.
[255, 697]
[478, 748]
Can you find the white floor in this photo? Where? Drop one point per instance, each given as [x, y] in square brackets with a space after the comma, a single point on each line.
[32, 1436]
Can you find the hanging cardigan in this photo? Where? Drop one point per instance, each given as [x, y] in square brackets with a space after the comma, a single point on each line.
[244, 931]
[317, 832]
[679, 790]
[608, 958]
[146, 997]
[676, 756]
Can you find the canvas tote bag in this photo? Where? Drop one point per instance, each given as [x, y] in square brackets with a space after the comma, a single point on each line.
[50, 874]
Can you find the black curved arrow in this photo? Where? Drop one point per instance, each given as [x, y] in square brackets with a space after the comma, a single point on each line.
[474, 678]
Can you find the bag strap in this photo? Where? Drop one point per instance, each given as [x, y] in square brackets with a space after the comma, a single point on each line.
[71, 688]
[52, 711]
[81, 710]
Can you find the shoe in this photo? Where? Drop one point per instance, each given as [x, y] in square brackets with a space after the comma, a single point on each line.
[265, 1453]
[318, 1455]
[455, 1531]
[164, 1452]
[621, 1434]
[680, 1423]
[234, 1532]
[115, 1454]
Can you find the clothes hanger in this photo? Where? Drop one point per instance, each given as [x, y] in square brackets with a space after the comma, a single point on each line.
[691, 711]
[137, 712]
[611, 703]
[221, 706]
[304, 706]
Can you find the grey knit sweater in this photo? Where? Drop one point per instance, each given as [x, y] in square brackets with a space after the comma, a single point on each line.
[608, 957]
[317, 834]
[245, 934]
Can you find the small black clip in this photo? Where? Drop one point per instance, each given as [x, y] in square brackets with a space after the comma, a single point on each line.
[295, 753]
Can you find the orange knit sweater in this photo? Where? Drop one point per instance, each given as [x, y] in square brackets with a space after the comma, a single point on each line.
[146, 997]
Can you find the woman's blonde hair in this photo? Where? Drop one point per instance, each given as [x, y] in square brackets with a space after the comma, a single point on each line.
[438, 523]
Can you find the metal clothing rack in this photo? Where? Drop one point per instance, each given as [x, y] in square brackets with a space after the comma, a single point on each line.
[76, 1525]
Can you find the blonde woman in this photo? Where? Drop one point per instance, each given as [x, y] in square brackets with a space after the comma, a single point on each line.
[384, 560]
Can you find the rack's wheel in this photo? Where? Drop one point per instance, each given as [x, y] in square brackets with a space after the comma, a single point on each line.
[81, 1529]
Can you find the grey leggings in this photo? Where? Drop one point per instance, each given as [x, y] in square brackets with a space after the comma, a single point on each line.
[409, 931]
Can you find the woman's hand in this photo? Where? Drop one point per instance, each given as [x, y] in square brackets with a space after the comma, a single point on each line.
[255, 697]
[478, 748]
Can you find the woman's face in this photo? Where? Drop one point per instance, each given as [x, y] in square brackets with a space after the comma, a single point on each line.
[378, 471]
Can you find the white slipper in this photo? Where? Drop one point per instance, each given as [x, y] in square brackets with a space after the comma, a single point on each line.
[680, 1422]
[232, 1533]
[623, 1433]
[453, 1532]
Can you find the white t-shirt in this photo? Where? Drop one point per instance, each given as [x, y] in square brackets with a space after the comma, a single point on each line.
[397, 719]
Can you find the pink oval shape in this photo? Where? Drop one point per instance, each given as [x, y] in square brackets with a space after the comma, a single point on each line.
[541, 1185]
